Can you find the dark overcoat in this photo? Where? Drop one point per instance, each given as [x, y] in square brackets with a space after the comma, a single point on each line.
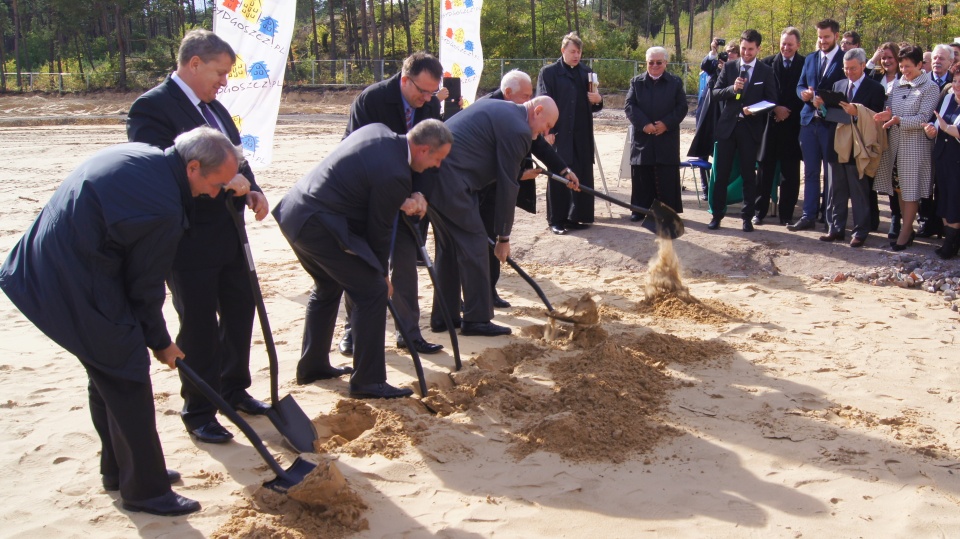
[649, 101]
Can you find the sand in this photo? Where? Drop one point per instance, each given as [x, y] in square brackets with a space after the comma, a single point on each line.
[736, 396]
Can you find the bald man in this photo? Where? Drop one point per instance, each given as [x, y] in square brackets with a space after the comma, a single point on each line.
[490, 140]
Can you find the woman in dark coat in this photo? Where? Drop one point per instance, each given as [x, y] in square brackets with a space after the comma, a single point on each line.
[568, 83]
[656, 104]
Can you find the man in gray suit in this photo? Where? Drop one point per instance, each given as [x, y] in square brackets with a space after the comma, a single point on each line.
[491, 138]
[339, 219]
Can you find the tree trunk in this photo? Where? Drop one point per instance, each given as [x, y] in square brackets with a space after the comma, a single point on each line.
[364, 34]
[405, 14]
[76, 42]
[693, 11]
[675, 21]
[566, 9]
[3, 60]
[576, 17]
[393, 36]
[121, 48]
[315, 46]
[16, 42]
[383, 28]
[375, 37]
[426, 26]
[533, 27]
[333, 41]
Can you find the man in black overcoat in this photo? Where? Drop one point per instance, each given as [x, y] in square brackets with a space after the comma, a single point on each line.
[340, 219]
[491, 138]
[568, 82]
[210, 278]
[782, 143]
[89, 273]
[738, 131]
[399, 103]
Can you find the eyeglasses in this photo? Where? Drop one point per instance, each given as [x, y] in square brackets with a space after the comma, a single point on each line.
[655, 62]
[421, 90]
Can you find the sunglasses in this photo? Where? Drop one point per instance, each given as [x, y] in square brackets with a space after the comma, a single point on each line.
[421, 90]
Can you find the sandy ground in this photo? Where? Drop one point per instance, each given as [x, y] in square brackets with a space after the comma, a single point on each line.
[777, 405]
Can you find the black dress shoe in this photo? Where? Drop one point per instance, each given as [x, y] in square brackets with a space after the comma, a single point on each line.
[857, 242]
[574, 225]
[212, 433]
[894, 228]
[420, 345]
[747, 225]
[756, 221]
[499, 302]
[802, 224]
[322, 374]
[833, 236]
[111, 483]
[170, 504]
[378, 391]
[558, 230]
[251, 406]
[485, 329]
[714, 223]
[930, 228]
[346, 344]
[635, 217]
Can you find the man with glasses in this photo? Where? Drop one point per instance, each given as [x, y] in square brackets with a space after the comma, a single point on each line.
[850, 40]
[400, 102]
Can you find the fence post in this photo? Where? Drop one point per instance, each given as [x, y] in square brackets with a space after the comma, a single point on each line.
[345, 80]
[501, 69]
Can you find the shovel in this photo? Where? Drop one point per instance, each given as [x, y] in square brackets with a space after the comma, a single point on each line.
[285, 478]
[417, 366]
[443, 306]
[660, 218]
[285, 414]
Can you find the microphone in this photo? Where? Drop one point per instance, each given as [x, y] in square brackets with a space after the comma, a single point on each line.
[743, 75]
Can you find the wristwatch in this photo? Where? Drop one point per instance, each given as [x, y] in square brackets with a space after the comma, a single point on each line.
[503, 239]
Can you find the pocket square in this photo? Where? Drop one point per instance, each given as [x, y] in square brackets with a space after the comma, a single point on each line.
[758, 83]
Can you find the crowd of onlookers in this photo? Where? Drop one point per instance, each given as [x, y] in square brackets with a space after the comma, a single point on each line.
[861, 124]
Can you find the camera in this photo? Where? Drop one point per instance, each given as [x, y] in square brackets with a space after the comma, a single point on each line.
[723, 56]
[721, 42]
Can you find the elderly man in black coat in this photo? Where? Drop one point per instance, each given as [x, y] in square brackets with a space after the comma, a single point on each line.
[568, 82]
[491, 138]
[210, 278]
[89, 273]
[401, 102]
[656, 104]
[340, 219]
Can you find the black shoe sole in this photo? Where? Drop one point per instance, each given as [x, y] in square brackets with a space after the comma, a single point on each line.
[138, 509]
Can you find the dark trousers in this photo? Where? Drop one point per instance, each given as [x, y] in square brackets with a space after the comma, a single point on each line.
[789, 189]
[463, 266]
[403, 275]
[814, 142]
[656, 182]
[564, 204]
[845, 184]
[216, 309]
[125, 419]
[741, 144]
[335, 272]
[488, 207]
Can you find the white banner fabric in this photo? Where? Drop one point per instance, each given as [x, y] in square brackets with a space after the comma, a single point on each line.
[460, 50]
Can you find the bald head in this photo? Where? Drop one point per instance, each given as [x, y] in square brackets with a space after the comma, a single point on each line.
[542, 114]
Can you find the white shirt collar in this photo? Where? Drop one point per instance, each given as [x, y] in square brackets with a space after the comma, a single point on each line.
[191, 95]
[830, 54]
[856, 83]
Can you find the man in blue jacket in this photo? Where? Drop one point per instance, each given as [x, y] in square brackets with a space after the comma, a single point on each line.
[89, 273]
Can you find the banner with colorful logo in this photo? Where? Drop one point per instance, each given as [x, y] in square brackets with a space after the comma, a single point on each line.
[259, 32]
[460, 51]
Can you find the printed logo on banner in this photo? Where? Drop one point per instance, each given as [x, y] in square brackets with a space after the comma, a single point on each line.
[250, 143]
[231, 4]
[239, 69]
[251, 9]
[457, 40]
[237, 121]
[449, 5]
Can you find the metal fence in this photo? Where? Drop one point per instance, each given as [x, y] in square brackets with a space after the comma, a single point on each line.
[614, 74]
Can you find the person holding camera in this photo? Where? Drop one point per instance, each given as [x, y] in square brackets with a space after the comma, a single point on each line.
[701, 146]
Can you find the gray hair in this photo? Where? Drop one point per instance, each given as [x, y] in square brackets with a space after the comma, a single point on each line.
[432, 133]
[855, 54]
[947, 49]
[512, 80]
[658, 51]
[205, 44]
[208, 146]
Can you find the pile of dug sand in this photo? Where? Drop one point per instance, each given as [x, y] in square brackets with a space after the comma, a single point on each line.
[574, 323]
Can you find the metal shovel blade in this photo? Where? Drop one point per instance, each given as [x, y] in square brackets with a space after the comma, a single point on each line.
[293, 475]
[292, 422]
[663, 221]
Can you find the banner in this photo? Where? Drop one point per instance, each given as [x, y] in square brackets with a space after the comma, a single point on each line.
[259, 32]
[460, 50]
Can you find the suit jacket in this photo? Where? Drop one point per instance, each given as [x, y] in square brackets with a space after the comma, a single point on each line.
[810, 78]
[782, 140]
[574, 128]
[490, 139]
[356, 192]
[157, 118]
[762, 86]
[650, 101]
[870, 94]
[946, 80]
[527, 195]
[89, 271]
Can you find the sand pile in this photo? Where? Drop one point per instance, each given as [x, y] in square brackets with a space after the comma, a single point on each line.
[359, 429]
[574, 323]
[663, 272]
[322, 505]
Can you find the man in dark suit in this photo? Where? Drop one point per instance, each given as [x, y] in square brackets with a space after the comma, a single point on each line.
[568, 82]
[821, 70]
[89, 273]
[516, 87]
[339, 219]
[844, 181]
[400, 102]
[738, 131]
[491, 138]
[210, 278]
[941, 60]
[782, 144]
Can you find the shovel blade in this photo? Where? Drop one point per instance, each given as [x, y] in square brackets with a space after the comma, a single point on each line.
[293, 424]
[663, 221]
[293, 475]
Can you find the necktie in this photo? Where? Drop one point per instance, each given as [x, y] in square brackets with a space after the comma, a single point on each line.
[746, 69]
[786, 64]
[826, 64]
[409, 114]
[850, 93]
[209, 117]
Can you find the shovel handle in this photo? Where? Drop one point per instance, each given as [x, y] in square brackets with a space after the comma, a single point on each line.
[533, 284]
[604, 196]
[417, 366]
[232, 414]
